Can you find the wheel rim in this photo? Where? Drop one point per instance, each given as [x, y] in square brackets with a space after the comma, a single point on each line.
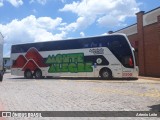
[105, 74]
[28, 74]
[38, 74]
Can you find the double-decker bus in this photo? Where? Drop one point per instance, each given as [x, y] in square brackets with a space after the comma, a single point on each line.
[107, 56]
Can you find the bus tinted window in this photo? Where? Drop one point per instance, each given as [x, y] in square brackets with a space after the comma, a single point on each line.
[121, 49]
[117, 44]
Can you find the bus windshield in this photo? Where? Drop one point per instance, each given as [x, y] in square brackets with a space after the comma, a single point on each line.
[121, 49]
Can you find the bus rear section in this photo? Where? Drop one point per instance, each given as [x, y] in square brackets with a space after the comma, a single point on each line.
[125, 62]
[108, 57]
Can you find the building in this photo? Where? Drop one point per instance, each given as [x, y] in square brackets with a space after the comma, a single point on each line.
[6, 62]
[145, 38]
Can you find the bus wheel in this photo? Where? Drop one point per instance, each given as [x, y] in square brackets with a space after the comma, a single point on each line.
[38, 74]
[28, 74]
[106, 74]
[1, 78]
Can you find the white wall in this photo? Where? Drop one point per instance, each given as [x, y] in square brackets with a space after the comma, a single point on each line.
[151, 17]
[129, 30]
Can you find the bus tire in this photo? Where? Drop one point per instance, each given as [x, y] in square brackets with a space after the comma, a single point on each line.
[28, 74]
[106, 73]
[1, 78]
[38, 74]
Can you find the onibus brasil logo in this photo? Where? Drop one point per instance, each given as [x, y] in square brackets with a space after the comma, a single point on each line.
[73, 63]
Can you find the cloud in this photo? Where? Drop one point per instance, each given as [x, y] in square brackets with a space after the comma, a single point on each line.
[104, 12]
[63, 1]
[42, 2]
[104, 34]
[81, 23]
[110, 20]
[1, 3]
[31, 29]
[16, 3]
[82, 34]
[48, 23]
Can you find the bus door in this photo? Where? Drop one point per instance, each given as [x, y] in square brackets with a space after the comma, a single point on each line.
[95, 72]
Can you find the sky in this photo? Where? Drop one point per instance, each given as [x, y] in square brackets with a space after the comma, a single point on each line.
[27, 21]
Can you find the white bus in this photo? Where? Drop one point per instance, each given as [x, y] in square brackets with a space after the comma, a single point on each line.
[108, 56]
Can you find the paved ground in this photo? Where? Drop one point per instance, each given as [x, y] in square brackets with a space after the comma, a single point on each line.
[18, 94]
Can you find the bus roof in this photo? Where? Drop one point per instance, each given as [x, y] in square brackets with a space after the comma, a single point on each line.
[113, 34]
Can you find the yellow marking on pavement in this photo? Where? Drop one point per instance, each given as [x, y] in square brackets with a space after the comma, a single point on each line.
[120, 81]
[153, 94]
[154, 91]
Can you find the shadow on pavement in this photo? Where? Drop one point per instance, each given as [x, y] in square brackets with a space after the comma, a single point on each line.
[78, 78]
[75, 78]
[155, 108]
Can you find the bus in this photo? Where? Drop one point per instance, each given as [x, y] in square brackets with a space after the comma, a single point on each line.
[106, 56]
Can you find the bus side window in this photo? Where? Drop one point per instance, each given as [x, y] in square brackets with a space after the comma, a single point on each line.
[100, 45]
[86, 46]
[58, 47]
[94, 44]
[115, 44]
